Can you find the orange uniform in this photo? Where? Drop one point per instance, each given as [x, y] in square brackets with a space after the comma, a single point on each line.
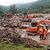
[40, 31]
[45, 33]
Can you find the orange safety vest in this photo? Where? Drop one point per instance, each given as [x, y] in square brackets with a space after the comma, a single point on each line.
[40, 31]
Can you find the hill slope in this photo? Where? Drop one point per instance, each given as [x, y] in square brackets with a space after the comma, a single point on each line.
[40, 4]
[44, 3]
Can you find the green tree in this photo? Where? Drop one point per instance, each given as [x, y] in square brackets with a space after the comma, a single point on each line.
[13, 9]
[1, 11]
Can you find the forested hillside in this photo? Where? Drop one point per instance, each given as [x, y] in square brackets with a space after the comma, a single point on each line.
[39, 6]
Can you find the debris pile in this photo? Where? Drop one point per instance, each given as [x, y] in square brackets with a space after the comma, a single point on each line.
[9, 35]
[32, 43]
[7, 29]
[9, 32]
[9, 21]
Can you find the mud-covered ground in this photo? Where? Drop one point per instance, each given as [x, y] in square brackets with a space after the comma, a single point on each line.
[9, 31]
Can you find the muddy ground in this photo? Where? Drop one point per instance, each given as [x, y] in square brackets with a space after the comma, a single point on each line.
[9, 25]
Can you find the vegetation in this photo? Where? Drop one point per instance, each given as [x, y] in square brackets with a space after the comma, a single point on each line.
[12, 46]
[1, 13]
[41, 6]
[12, 9]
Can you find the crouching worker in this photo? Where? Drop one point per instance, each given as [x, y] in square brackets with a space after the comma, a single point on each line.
[45, 32]
[41, 33]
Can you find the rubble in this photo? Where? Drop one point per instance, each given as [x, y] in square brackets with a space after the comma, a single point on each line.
[10, 35]
[31, 43]
[9, 32]
[9, 21]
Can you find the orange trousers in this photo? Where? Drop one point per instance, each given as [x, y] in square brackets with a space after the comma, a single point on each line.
[45, 33]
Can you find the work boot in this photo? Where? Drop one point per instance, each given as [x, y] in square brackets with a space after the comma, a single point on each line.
[44, 38]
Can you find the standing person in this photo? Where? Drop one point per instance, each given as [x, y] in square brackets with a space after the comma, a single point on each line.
[45, 32]
[41, 33]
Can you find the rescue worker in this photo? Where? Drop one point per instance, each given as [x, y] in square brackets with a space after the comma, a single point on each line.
[41, 33]
[45, 32]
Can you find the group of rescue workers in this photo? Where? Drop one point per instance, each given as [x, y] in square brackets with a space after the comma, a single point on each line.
[43, 32]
